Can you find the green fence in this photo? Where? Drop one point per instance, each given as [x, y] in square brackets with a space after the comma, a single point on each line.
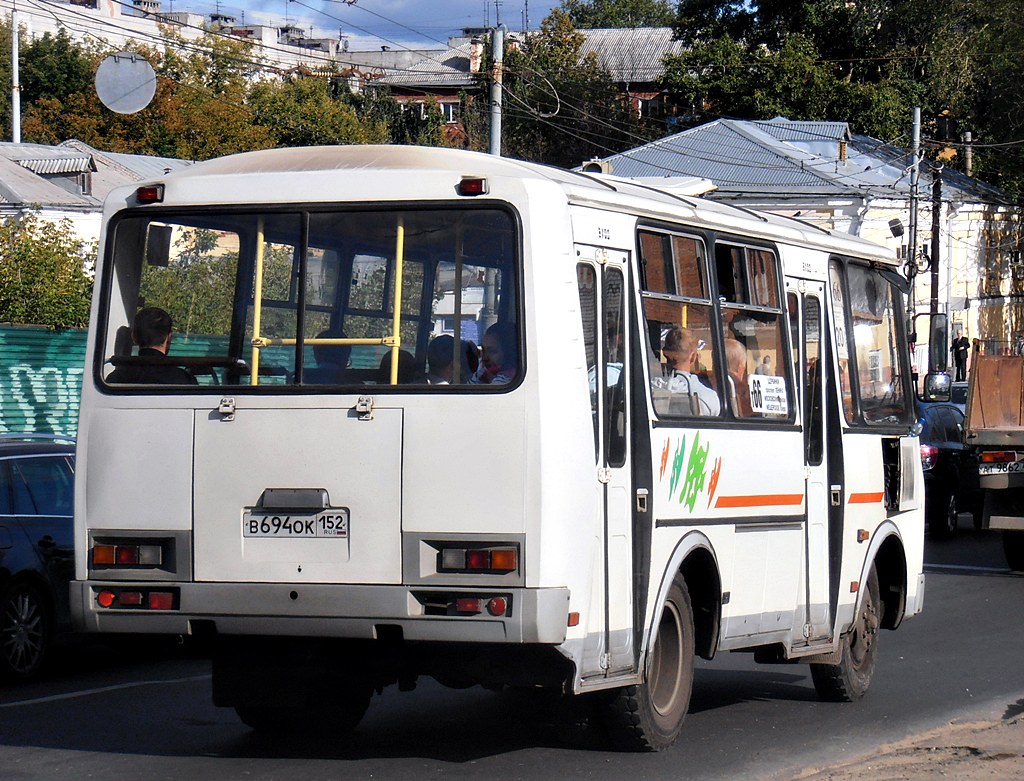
[40, 379]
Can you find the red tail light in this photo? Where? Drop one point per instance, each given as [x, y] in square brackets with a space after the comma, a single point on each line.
[928, 455]
[998, 457]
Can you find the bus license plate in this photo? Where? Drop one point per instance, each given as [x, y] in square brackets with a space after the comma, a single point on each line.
[330, 524]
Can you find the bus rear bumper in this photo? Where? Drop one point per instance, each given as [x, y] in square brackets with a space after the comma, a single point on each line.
[537, 615]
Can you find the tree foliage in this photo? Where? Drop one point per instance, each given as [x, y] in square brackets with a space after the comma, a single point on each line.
[42, 281]
[561, 107]
[868, 63]
[589, 14]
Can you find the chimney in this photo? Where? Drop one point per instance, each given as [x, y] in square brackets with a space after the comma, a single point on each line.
[476, 55]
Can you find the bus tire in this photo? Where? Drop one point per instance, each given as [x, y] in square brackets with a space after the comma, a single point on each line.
[849, 680]
[649, 717]
[336, 712]
[1013, 549]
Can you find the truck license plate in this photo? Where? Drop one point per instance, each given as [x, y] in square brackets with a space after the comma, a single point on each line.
[329, 524]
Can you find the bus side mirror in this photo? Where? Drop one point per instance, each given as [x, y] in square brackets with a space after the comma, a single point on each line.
[937, 387]
[938, 338]
[158, 245]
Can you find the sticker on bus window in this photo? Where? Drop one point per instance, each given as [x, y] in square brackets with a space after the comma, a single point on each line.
[768, 394]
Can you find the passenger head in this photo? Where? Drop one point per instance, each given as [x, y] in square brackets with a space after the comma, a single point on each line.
[735, 358]
[499, 347]
[152, 328]
[440, 358]
[332, 354]
[406, 368]
[680, 348]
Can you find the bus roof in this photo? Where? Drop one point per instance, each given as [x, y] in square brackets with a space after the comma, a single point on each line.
[586, 188]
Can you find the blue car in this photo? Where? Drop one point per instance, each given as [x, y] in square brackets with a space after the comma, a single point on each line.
[36, 549]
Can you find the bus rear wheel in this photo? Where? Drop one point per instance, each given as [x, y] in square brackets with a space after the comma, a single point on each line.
[849, 680]
[649, 717]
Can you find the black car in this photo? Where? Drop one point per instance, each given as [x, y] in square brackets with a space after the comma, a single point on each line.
[36, 548]
[950, 468]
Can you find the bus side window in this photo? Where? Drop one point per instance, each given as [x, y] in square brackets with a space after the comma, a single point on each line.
[757, 370]
[679, 318]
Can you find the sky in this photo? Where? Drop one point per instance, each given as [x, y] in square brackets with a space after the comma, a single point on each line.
[370, 24]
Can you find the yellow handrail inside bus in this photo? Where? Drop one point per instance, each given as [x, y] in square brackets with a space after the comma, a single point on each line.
[257, 305]
[394, 341]
[397, 322]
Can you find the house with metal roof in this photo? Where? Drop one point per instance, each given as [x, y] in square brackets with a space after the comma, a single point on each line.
[822, 173]
[70, 180]
[634, 58]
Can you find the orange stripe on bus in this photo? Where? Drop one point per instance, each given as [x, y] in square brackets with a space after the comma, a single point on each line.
[865, 498]
[762, 500]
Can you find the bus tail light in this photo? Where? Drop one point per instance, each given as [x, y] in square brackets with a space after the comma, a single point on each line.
[466, 605]
[160, 600]
[472, 185]
[126, 555]
[137, 599]
[150, 193]
[479, 560]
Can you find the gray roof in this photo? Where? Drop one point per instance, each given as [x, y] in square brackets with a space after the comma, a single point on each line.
[46, 176]
[632, 55]
[784, 159]
[444, 68]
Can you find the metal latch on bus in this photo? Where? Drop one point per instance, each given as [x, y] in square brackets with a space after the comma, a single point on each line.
[641, 500]
[364, 407]
[837, 495]
[226, 408]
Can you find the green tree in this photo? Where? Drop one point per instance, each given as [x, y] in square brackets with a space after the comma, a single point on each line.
[301, 111]
[561, 107]
[42, 277]
[589, 14]
[55, 67]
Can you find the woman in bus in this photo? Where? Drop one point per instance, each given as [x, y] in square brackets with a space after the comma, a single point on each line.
[498, 359]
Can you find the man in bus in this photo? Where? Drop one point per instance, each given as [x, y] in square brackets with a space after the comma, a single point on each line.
[681, 352]
[151, 331]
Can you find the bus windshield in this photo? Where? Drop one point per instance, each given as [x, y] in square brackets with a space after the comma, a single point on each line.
[287, 299]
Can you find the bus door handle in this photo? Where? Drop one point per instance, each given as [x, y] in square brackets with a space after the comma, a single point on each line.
[837, 495]
[641, 500]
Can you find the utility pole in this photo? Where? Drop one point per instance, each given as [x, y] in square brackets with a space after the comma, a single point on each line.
[915, 165]
[498, 47]
[933, 305]
[968, 153]
[15, 79]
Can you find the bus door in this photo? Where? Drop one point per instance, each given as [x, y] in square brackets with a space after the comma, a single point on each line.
[806, 305]
[602, 285]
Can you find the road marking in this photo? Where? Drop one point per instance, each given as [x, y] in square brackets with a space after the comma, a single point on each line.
[101, 690]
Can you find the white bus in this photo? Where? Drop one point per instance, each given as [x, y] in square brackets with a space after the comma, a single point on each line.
[454, 415]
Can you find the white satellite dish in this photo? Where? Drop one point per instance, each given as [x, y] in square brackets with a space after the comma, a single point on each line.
[125, 82]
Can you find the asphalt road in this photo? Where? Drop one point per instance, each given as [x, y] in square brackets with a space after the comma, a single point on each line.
[141, 712]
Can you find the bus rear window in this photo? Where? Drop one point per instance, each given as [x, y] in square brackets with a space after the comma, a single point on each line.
[312, 299]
